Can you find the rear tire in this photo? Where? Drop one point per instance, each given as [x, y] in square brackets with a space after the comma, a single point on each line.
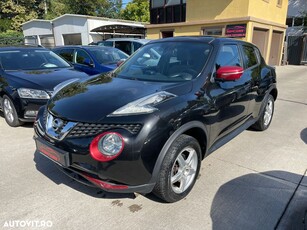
[179, 169]
[266, 116]
[10, 113]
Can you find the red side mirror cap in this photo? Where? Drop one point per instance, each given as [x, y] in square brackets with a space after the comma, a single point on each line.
[229, 73]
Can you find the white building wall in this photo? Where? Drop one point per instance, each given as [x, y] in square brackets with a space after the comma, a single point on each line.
[37, 28]
[70, 25]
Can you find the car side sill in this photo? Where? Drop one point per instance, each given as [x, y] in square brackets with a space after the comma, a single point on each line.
[231, 135]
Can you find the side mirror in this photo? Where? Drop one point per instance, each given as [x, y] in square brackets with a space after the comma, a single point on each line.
[229, 73]
[88, 62]
[119, 63]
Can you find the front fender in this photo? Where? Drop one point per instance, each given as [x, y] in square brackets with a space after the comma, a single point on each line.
[183, 129]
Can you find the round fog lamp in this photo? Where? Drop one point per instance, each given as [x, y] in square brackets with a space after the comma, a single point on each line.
[107, 146]
[110, 144]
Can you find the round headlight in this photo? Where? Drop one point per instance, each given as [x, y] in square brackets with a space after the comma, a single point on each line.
[107, 146]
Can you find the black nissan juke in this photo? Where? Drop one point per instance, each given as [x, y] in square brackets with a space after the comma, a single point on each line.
[146, 126]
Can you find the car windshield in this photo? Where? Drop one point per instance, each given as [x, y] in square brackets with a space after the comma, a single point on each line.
[166, 61]
[108, 56]
[30, 59]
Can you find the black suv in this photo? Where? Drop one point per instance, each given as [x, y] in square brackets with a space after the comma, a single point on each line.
[146, 126]
[28, 76]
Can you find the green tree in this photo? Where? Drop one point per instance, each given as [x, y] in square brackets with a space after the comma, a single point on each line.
[137, 10]
[20, 11]
[102, 8]
[53, 8]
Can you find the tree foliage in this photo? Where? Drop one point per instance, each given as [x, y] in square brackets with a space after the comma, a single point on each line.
[15, 12]
[137, 10]
[20, 11]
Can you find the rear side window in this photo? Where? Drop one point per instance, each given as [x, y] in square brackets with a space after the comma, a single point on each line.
[81, 56]
[228, 56]
[124, 46]
[137, 46]
[67, 54]
[250, 57]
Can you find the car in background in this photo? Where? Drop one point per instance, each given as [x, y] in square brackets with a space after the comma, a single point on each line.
[147, 125]
[92, 59]
[28, 76]
[127, 45]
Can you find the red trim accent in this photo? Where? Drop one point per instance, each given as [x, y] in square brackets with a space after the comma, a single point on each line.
[49, 152]
[104, 185]
[99, 156]
[229, 73]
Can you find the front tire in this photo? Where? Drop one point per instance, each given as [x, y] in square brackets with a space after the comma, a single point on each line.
[10, 113]
[179, 169]
[266, 116]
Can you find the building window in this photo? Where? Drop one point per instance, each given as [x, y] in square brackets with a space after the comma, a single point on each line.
[167, 11]
[167, 34]
[213, 31]
[279, 2]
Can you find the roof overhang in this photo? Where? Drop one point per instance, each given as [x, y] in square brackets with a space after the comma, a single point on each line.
[121, 29]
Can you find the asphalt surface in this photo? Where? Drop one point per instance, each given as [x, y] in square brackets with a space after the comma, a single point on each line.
[256, 181]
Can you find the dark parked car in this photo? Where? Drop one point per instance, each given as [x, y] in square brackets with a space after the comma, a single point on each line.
[147, 126]
[28, 76]
[92, 59]
[127, 45]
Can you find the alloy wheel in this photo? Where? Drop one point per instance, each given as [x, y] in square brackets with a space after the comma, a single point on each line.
[8, 110]
[184, 170]
[268, 113]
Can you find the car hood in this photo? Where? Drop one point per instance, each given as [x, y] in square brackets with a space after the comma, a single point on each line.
[95, 98]
[43, 79]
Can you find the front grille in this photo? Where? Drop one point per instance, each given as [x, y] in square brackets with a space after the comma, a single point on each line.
[88, 129]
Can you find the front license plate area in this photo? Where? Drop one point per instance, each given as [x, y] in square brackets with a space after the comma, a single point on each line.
[56, 155]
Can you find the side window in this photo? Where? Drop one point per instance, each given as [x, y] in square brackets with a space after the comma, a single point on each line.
[249, 56]
[137, 46]
[67, 54]
[124, 46]
[81, 56]
[228, 56]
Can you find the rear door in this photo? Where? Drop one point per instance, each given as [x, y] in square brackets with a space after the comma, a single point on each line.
[252, 67]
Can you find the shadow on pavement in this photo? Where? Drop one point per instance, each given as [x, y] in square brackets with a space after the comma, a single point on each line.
[304, 135]
[50, 170]
[261, 201]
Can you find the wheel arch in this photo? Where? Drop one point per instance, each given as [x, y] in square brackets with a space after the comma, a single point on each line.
[274, 93]
[194, 129]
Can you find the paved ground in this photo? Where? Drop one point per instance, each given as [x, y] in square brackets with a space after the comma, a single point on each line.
[257, 181]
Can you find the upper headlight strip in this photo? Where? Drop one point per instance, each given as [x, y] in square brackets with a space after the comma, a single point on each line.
[144, 105]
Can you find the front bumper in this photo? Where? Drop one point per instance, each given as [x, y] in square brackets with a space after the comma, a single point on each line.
[29, 109]
[82, 175]
[130, 172]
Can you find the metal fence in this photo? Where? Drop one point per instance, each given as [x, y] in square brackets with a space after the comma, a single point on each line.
[297, 49]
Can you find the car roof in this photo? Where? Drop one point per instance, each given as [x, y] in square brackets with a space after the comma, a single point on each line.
[84, 47]
[140, 40]
[205, 39]
[21, 47]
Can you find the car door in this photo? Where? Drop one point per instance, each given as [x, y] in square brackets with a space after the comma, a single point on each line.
[229, 99]
[251, 58]
[83, 62]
